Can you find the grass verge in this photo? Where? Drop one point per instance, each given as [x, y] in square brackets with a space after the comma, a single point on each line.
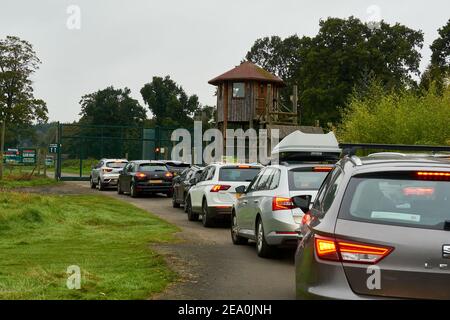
[12, 181]
[108, 239]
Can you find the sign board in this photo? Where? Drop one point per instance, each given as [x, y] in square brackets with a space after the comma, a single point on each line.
[12, 156]
[53, 148]
[29, 156]
[49, 161]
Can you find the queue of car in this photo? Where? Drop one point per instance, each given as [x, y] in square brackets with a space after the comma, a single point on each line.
[345, 216]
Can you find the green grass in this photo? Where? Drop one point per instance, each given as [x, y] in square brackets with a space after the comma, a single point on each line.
[73, 166]
[108, 239]
[15, 180]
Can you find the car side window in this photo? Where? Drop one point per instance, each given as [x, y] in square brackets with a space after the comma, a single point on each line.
[254, 184]
[211, 172]
[322, 191]
[274, 179]
[264, 182]
[204, 174]
[331, 193]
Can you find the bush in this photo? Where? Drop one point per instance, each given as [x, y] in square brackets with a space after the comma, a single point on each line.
[407, 117]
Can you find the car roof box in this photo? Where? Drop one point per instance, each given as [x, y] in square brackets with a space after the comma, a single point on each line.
[306, 147]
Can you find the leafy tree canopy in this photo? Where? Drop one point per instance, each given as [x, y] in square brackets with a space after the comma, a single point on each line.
[346, 53]
[169, 103]
[18, 62]
[111, 106]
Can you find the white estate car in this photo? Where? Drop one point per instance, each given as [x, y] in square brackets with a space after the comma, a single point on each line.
[213, 195]
[106, 173]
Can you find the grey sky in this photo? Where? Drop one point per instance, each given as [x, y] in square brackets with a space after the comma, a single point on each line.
[125, 43]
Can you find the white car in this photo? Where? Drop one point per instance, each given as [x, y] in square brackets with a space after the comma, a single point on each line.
[213, 195]
[106, 173]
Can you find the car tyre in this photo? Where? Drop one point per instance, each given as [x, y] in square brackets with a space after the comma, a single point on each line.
[191, 215]
[175, 204]
[206, 219]
[262, 248]
[133, 192]
[119, 189]
[92, 183]
[100, 185]
[235, 237]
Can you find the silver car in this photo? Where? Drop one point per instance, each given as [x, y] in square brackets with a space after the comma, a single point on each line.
[106, 173]
[265, 211]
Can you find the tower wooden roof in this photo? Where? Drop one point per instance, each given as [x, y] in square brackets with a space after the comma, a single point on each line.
[247, 71]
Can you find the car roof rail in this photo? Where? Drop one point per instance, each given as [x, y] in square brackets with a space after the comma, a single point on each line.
[355, 160]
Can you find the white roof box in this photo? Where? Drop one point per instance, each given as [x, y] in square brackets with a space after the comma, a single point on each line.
[306, 146]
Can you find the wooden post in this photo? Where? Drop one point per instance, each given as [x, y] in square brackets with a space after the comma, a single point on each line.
[2, 147]
[295, 103]
[225, 114]
[269, 104]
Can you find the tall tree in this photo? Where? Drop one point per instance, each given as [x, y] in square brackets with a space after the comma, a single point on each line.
[111, 106]
[169, 103]
[343, 55]
[18, 61]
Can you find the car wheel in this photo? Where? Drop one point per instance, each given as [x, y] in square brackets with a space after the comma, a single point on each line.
[191, 215]
[119, 189]
[262, 248]
[93, 186]
[206, 219]
[133, 191]
[235, 237]
[100, 185]
[175, 204]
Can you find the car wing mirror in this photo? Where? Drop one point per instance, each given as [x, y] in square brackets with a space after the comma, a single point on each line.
[241, 189]
[303, 202]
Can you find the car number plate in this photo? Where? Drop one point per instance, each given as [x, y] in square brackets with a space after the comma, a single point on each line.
[156, 181]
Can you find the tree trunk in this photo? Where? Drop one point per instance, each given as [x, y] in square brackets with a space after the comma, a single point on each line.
[2, 147]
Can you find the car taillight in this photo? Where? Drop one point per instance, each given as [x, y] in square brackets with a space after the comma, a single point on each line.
[140, 175]
[348, 251]
[169, 175]
[220, 187]
[281, 203]
[322, 169]
[435, 176]
[306, 219]
[107, 170]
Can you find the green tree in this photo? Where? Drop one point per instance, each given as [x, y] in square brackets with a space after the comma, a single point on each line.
[169, 103]
[393, 117]
[346, 53]
[18, 106]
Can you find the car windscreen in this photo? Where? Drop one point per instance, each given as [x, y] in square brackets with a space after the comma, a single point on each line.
[306, 179]
[116, 165]
[152, 168]
[238, 174]
[404, 199]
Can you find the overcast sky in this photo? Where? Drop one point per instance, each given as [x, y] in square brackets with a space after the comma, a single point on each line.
[126, 43]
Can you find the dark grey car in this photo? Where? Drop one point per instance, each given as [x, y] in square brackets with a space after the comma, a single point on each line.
[379, 228]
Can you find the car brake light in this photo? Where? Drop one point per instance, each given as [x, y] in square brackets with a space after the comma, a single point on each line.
[220, 187]
[281, 203]
[350, 252]
[107, 170]
[140, 175]
[322, 169]
[169, 174]
[244, 167]
[416, 191]
[436, 176]
[306, 219]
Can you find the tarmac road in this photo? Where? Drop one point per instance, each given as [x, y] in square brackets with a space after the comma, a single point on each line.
[211, 267]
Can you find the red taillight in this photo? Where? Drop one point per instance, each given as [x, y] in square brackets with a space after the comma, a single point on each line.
[169, 175]
[306, 219]
[107, 170]
[417, 191]
[322, 169]
[220, 187]
[347, 251]
[140, 175]
[435, 176]
[281, 203]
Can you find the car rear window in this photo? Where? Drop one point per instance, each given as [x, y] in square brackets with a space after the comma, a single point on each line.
[398, 199]
[305, 179]
[116, 165]
[238, 174]
[152, 167]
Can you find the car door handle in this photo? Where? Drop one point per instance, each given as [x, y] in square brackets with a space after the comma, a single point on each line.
[244, 202]
[256, 201]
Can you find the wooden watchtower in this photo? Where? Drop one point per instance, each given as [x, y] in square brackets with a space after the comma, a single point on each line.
[249, 97]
